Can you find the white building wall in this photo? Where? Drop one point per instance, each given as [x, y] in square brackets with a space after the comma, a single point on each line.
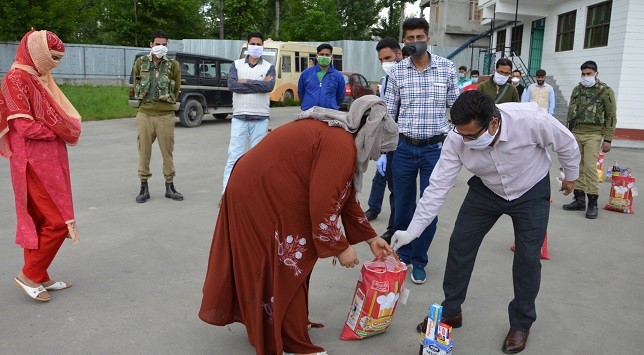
[565, 65]
[629, 108]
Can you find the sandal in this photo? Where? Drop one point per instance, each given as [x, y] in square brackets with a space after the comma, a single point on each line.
[32, 292]
[58, 285]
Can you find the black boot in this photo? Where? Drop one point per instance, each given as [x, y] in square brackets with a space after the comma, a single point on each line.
[578, 204]
[592, 211]
[144, 195]
[170, 192]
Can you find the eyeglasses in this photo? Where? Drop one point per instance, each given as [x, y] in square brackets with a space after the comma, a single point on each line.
[471, 137]
[504, 73]
[419, 38]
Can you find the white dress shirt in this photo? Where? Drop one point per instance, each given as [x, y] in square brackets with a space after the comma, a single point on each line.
[513, 165]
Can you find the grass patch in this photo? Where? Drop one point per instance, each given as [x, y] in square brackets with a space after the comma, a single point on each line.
[96, 103]
[285, 103]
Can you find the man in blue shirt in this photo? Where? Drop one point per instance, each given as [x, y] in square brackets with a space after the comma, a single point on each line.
[389, 54]
[321, 85]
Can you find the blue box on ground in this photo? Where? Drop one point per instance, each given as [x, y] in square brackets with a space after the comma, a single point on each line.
[432, 347]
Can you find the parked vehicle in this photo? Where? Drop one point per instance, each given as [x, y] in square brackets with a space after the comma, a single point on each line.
[290, 59]
[204, 87]
[355, 86]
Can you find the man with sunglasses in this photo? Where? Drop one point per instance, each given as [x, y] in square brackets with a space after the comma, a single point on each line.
[505, 147]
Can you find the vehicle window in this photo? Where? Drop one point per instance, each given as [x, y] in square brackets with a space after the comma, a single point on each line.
[188, 67]
[363, 81]
[346, 79]
[286, 63]
[225, 69]
[208, 69]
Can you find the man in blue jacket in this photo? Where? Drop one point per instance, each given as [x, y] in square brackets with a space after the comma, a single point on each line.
[321, 85]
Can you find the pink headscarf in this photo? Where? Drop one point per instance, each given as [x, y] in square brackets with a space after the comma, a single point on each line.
[44, 101]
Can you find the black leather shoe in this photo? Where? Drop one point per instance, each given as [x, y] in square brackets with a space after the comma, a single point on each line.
[515, 341]
[170, 192]
[371, 214]
[453, 321]
[144, 194]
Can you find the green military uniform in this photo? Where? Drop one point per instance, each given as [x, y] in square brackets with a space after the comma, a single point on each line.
[497, 92]
[592, 115]
[156, 86]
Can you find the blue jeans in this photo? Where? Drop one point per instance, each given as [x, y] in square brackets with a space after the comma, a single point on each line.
[408, 162]
[243, 133]
[377, 194]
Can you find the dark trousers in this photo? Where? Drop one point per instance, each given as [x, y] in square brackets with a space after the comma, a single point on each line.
[377, 193]
[478, 214]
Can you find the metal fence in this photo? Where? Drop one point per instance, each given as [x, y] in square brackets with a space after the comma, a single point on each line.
[111, 65]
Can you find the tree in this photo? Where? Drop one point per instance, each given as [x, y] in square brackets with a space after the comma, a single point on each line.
[391, 25]
[357, 18]
[306, 20]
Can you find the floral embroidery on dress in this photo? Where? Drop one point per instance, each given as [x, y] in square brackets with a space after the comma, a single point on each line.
[330, 230]
[268, 308]
[290, 251]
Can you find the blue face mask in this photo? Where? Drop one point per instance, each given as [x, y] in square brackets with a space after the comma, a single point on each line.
[475, 79]
[461, 76]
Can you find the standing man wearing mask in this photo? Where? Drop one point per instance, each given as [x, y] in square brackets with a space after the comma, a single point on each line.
[499, 87]
[506, 148]
[419, 90]
[157, 80]
[541, 93]
[474, 79]
[591, 118]
[321, 85]
[463, 80]
[389, 53]
[516, 81]
[250, 79]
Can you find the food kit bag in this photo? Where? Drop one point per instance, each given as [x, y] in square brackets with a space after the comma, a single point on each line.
[375, 298]
[622, 191]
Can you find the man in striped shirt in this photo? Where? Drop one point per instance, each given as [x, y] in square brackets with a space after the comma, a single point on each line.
[419, 90]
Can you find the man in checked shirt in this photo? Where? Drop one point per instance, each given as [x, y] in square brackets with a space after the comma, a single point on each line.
[419, 90]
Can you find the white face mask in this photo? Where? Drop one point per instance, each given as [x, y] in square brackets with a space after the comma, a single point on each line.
[255, 51]
[481, 142]
[500, 79]
[159, 51]
[515, 81]
[588, 81]
[388, 67]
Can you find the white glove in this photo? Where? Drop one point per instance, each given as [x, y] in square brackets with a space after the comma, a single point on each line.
[381, 164]
[401, 238]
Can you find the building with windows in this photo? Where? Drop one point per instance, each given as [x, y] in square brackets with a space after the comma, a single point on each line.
[559, 35]
[453, 22]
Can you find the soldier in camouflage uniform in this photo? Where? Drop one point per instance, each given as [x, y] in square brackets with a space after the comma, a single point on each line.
[157, 80]
[591, 118]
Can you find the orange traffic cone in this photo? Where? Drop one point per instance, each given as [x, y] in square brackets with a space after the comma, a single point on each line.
[544, 249]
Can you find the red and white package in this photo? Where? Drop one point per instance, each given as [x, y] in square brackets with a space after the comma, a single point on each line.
[622, 190]
[375, 298]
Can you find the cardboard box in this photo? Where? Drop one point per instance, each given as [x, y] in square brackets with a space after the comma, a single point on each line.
[432, 347]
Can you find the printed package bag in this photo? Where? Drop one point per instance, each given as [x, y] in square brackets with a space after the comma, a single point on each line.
[622, 191]
[375, 298]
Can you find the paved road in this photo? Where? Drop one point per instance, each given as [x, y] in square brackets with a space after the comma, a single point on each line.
[139, 268]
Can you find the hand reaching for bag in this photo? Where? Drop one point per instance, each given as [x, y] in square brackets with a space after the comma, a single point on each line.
[380, 248]
[401, 238]
[348, 258]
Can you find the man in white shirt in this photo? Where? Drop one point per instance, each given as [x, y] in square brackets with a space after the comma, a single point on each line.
[541, 93]
[504, 147]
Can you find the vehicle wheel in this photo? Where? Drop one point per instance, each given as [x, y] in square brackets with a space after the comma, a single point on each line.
[220, 116]
[288, 95]
[192, 114]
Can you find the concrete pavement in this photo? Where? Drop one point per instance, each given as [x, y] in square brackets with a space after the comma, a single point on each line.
[139, 268]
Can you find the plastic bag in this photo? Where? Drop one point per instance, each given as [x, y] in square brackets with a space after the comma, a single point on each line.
[622, 190]
[375, 298]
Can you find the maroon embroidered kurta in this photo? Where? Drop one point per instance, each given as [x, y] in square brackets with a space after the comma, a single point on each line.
[281, 211]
